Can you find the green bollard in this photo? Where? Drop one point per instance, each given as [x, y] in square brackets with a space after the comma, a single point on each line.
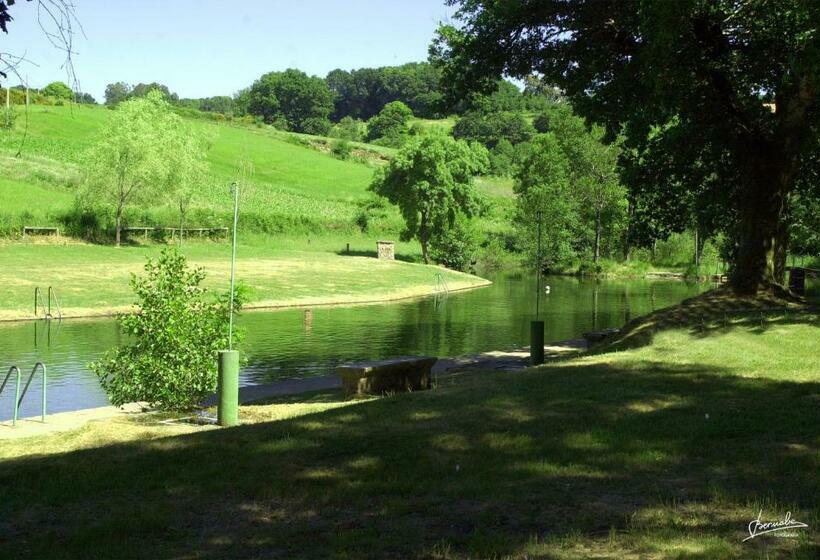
[537, 342]
[228, 388]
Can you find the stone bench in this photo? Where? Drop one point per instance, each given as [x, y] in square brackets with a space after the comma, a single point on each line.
[411, 373]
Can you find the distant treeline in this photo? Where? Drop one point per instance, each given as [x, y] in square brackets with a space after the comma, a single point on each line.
[293, 100]
[55, 93]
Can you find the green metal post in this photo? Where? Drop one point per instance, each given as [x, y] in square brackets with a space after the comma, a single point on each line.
[45, 383]
[537, 342]
[16, 398]
[228, 390]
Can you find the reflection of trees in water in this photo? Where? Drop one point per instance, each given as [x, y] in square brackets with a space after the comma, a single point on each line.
[300, 342]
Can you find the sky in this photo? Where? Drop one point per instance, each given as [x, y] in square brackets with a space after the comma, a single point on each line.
[201, 48]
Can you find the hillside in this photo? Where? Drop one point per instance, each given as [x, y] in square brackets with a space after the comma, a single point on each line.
[293, 183]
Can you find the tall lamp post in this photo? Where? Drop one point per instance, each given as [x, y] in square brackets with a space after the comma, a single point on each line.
[228, 362]
[537, 325]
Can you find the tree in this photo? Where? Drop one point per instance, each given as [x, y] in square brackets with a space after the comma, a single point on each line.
[362, 93]
[174, 337]
[58, 90]
[390, 123]
[116, 93]
[489, 128]
[430, 179]
[544, 193]
[140, 156]
[141, 90]
[293, 98]
[736, 83]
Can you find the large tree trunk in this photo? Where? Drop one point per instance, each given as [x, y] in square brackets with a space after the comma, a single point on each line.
[761, 211]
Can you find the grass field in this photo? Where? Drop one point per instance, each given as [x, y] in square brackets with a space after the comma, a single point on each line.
[94, 279]
[292, 188]
[664, 451]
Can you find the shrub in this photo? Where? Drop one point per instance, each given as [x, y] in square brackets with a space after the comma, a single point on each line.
[176, 334]
[390, 124]
[9, 116]
[348, 129]
[318, 126]
[341, 149]
[456, 247]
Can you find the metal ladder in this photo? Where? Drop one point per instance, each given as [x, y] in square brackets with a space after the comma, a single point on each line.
[18, 397]
[440, 286]
[38, 300]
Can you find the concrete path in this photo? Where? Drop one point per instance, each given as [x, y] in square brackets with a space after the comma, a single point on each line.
[501, 360]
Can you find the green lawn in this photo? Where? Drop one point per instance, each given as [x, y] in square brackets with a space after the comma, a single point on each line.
[664, 451]
[292, 188]
[94, 279]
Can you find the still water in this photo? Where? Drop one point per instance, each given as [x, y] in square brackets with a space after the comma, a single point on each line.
[295, 343]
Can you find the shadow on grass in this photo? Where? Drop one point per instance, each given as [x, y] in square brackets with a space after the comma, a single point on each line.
[483, 466]
[712, 312]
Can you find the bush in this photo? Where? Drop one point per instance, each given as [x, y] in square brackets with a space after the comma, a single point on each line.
[317, 126]
[390, 124]
[176, 334]
[341, 149]
[9, 116]
[348, 129]
[455, 248]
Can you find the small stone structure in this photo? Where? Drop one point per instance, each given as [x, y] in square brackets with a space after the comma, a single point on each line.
[386, 250]
[381, 376]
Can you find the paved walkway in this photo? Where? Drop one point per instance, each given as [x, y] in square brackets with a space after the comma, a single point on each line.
[63, 421]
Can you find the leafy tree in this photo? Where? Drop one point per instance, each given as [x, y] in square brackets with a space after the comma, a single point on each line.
[142, 90]
[430, 179]
[116, 93]
[734, 85]
[390, 124]
[456, 246]
[364, 92]
[292, 97]
[489, 128]
[58, 90]
[141, 155]
[218, 104]
[175, 336]
[86, 99]
[544, 192]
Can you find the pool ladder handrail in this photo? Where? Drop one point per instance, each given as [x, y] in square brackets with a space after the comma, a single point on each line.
[441, 286]
[18, 397]
[38, 298]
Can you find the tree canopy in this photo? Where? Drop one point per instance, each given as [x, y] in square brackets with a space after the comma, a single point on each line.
[144, 153]
[292, 100]
[728, 88]
[431, 181]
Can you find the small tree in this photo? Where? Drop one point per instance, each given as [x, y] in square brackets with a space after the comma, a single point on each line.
[431, 181]
[544, 191]
[390, 123]
[142, 154]
[58, 90]
[175, 336]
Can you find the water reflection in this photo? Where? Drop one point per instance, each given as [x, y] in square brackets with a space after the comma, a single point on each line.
[307, 342]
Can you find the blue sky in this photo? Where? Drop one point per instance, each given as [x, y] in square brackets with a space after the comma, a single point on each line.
[201, 48]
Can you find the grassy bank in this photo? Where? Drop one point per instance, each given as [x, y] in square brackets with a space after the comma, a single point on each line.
[94, 279]
[664, 451]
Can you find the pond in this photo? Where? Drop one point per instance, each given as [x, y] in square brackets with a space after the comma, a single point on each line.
[294, 343]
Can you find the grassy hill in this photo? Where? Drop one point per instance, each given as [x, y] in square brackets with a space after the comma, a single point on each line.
[295, 186]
